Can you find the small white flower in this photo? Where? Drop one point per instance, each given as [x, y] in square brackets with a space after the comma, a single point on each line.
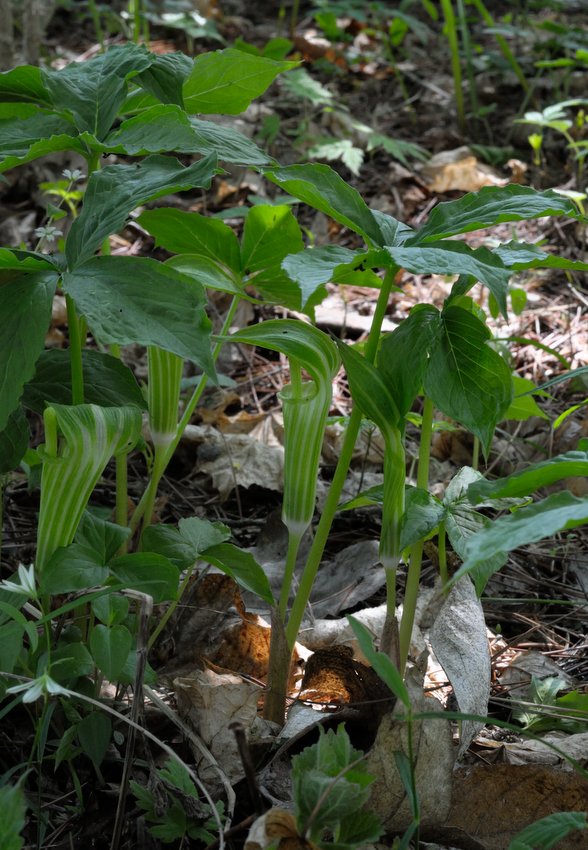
[26, 585]
[48, 232]
[35, 688]
[74, 175]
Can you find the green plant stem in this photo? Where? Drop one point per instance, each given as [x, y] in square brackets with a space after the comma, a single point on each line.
[334, 494]
[290, 566]
[98, 31]
[451, 33]
[140, 512]
[170, 609]
[75, 353]
[442, 553]
[502, 43]
[476, 453]
[121, 506]
[416, 552]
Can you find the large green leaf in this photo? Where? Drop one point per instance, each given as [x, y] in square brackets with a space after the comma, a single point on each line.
[165, 77]
[107, 381]
[226, 81]
[93, 91]
[24, 261]
[209, 273]
[129, 300]
[25, 83]
[522, 255]
[159, 129]
[72, 568]
[13, 808]
[557, 512]
[191, 233]
[25, 313]
[228, 144]
[322, 188]
[116, 190]
[465, 378]
[422, 515]
[404, 354]
[14, 440]
[18, 133]
[314, 267]
[456, 258]
[491, 205]
[110, 647]
[104, 537]
[148, 573]
[270, 233]
[241, 566]
[184, 545]
[44, 147]
[531, 479]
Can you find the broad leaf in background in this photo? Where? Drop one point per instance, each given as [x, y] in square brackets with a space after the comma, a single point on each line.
[148, 573]
[107, 381]
[465, 378]
[182, 232]
[25, 83]
[422, 515]
[322, 188]
[12, 816]
[71, 568]
[184, 545]
[129, 300]
[24, 261]
[25, 314]
[228, 144]
[491, 206]
[165, 77]
[404, 354]
[462, 521]
[558, 512]
[104, 537]
[270, 233]
[314, 267]
[226, 81]
[14, 440]
[527, 481]
[110, 647]
[457, 258]
[94, 91]
[521, 255]
[115, 191]
[240, 566]
[523, 406]
[158, 129]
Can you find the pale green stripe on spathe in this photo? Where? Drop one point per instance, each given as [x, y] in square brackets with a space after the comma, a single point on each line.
[91, 435]
[165, 377]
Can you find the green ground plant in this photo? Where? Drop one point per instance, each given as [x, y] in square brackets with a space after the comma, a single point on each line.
[80, 614]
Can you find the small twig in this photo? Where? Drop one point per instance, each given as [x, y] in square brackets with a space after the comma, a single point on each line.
[245, 754]
[146, 611]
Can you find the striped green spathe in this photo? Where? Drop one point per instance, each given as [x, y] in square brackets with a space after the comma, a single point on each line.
[91, 436]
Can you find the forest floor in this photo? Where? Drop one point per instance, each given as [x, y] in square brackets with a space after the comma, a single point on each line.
[535, 607]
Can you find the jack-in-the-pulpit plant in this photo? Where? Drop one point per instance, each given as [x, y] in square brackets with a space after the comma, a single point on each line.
[85, 594]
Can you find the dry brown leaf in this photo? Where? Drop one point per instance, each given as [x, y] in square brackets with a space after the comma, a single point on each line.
[492, 803]
[276, 828]
[432, 744]
[459, 170]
